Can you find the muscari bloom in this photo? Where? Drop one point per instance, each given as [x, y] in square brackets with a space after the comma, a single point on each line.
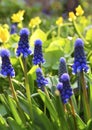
[64, 88]
[6, 67]
[41, 81]
[80, 63]
[23, 44]
[59, 21]
[4, 34]
[13, 28]
[38, 55]
[62, 67]
[72, 16]
[79, 11]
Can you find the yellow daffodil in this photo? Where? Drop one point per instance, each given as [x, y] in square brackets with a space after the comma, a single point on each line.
[72, 16]
[37, 20]
[4, 35]
[34, 22]
[79, 11]
[59, 21]
[6, 26]
[17, 17]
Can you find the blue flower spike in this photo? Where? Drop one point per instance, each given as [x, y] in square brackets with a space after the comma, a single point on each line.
[41, 81]
[23, 44]
[6, 67]
[62, 67]
[38, 55]
[80, 63]
[13, 28]
[64, 88]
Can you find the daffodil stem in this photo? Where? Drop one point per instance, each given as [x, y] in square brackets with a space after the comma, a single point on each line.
[17, 102]
[28, 93]
[85, 95]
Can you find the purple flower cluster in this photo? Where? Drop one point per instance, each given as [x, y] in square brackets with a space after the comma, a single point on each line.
[41, 81]
[6, 67]
[64, 88]
[80, 63]
[62, 67]
[23, 45]
[38, 55]
[13, 28]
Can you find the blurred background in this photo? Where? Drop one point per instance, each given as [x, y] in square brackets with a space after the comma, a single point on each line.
[43, 8]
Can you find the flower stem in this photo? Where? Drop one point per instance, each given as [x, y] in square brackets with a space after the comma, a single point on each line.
[78, 32]
[73, 113]
[59, 29]
[65, 24]
[16, 99]
[28, 93]
[85, 96]
[47, 94]
[12, 89]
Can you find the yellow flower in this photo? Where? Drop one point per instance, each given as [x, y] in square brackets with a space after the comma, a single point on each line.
[6, 26]
[34, 22]
[37, 20]
[79, 11]
[72, 16]
[17, 17]
[59, 21]
[4, 35]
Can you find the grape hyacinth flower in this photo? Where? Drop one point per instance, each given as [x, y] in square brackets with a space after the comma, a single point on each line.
[41, 81]
[64, 88]
[62, 67]
[13, 28]
[23, 45]
[80, 63]
[38, 55]
[6, 67]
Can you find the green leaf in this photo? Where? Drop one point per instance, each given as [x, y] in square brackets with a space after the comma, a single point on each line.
[60, 110]
[70, 121]
[49, 104]
[14, 125]
[38, 34]
[90, 90]
[32, 76]
[4, 101]
[52, 58]
[55, 45]
[89, 124]
[81, 125]
[3, 124]
[14, 110]
[3, 111]
[24, 104]
[41, 120]
[89, 35]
